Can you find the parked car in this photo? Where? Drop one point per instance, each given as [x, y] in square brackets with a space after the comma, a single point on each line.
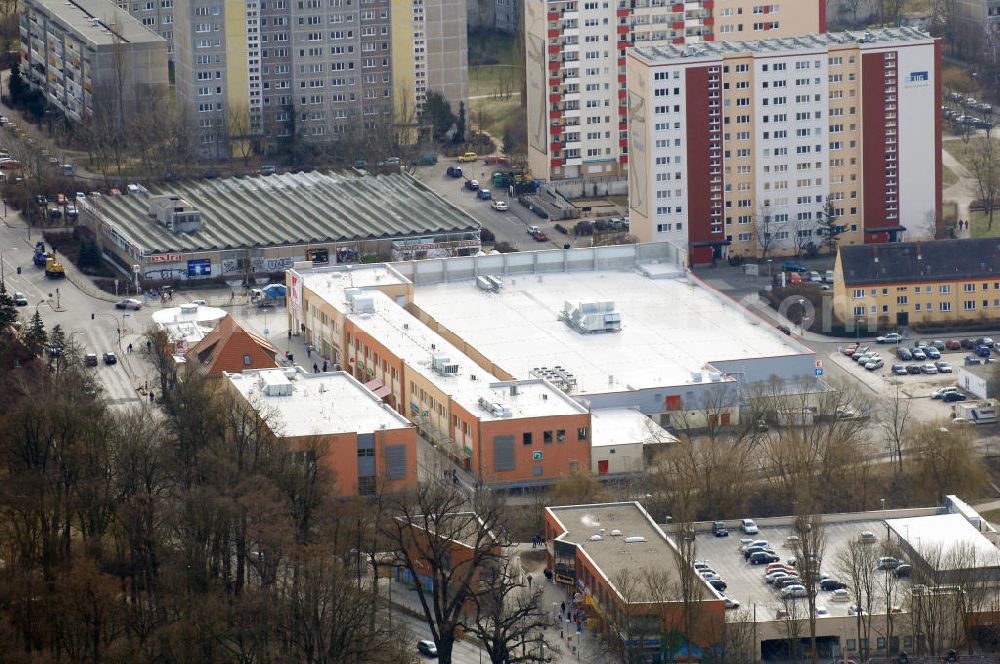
[540, 236]
[499, 206]
[472, 185]
[953, 344]
[468, 157]
[748, 543]
[750, 550]
[875, 364]
[719, 529]
[790, 580]
[455, 171]
[828, 277]
[20, 299]
[485, 195]
[912, 368]
[898, 370]
[840, 595]
[793, 266]
[928, 369]
[887, 562]
[784, 329]
[110, 358]
[427, 648]
[984, 341]
[937, 343]
[943, 367]
[904, 354]
[918, 354]
[749, 527]
[941, 391]
[952, 397]
[891, 338]
[983, 351]
[796, 590]
[731, 603]
[932, 353]
[867, 537]
[968, 343]
[718, 584]
[90, 359]
[794, 278]
[762, 557]
[775, 576]
[814, 277]
[903, 570]
[129, 303]
[831, 584]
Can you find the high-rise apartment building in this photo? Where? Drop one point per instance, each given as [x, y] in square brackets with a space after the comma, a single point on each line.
[91, 58]
[736, 148]
[155, 15]
[255, 74]
[575, 67]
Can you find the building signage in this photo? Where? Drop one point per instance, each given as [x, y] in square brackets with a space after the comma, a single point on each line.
[165, 258]
[295, 292]
[536, 456]
[201, 267]
[436, 245]
[919, 77]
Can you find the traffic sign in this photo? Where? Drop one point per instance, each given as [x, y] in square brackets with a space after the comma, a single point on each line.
[819, 371]
[819, 364]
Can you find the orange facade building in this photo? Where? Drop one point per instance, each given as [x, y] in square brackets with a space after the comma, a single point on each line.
[510, 434]
[367, 445]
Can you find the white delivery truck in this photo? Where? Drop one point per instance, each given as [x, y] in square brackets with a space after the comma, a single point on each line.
[978, 412]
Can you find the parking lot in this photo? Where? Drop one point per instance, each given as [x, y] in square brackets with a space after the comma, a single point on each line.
[746, 582]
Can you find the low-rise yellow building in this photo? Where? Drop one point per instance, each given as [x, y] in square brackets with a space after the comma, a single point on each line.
[909, 283]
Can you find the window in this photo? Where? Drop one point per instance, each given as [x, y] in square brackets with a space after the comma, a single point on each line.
[246, 360]
[970, 288]
[944, 290]
[561, 436]
[901, 299]
[526, 438]
[969, 305]
[581, 433]
[945, 306]
[547, 437]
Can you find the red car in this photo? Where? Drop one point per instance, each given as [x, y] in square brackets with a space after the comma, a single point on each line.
[495, 159]
[540, 236]
[794, 278]
[953, 344]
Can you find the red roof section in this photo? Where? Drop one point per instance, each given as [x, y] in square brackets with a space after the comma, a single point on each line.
[227, 347]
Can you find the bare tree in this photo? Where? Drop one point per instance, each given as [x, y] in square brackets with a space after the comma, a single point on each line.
[893, 420]
[809, 547]
[764, 231]
[984, 163]
[449, 543]
[509, 617]
[857, 562]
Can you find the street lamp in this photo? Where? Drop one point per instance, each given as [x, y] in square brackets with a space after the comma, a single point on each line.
[3, 280]
[802, 315]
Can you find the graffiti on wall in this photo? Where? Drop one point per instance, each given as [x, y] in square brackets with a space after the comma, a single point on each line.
[234, 265]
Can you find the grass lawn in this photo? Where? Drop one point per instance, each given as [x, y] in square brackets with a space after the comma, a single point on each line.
[494, 79]
[979, 224]
[494, 114]
[948, 176]
[957, 149]
[993, 516]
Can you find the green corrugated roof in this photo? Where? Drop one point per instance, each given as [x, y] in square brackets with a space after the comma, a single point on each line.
[296, 208]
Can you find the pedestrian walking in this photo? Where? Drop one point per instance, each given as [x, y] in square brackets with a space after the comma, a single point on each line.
[149, 344]
[309, 351]
[529, 582]
[562, 609]
[130, 348]
[315, 368]
[152, 397]
[289, 334]
[324, 366]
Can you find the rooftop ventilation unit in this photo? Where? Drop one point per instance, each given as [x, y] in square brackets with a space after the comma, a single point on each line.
[634, 539]
[274, 383]
[360, 302]
[489, 282]
[497, 409]
[556, 375]
[590, 317]
[175, 213]
[443, 365]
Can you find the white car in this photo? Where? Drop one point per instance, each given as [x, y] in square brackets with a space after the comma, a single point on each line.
[941, 391]
[748, 526]
[200, 303]
[500, 206]
[795, 590]
[731, 603]
[822, 612]
[814, 277]
[840, 595]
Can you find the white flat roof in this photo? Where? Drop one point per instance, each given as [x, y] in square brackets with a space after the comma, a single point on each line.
[319, 403]
[671, 328]
[330, 282]
[411, 340]
[625, 426]
[946, 541]
[197, 313]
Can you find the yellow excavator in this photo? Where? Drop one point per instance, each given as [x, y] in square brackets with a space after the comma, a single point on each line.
[53, 268]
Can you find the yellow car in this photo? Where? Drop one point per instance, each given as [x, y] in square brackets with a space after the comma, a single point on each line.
[468, 156]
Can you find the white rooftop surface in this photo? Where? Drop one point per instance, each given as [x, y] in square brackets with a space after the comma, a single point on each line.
[946, 541]
[625, 426]
[329, 283]
[319, 403]
[670, 327]
[414, 342]
[189, 313]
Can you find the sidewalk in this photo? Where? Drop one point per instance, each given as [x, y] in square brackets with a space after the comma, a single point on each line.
[567, 645]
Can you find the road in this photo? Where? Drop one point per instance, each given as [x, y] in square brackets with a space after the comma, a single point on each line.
[61, 303]
[416, 629]
[511, 226]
